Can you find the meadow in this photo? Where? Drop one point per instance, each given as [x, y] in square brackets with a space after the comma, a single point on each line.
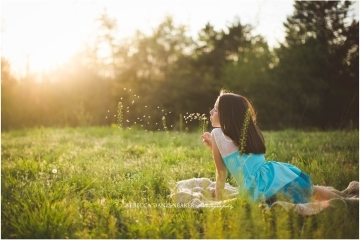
[105, 182]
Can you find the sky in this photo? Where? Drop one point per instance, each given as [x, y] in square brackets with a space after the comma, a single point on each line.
[46, 33]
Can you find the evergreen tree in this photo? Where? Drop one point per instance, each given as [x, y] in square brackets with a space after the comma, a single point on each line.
[317, 74]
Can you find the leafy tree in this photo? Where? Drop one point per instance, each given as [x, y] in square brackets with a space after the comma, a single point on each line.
[8, 85]
[156, 70]
[235, 59]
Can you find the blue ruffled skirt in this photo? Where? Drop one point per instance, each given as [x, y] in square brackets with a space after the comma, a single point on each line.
[269, 180]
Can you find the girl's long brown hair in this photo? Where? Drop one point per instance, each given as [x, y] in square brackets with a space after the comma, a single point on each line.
[233, 109]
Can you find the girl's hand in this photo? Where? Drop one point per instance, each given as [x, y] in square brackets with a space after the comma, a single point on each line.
[207, 139]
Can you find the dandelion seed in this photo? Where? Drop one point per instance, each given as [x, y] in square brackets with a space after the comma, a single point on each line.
[138, 96]
[169, 112]
[127, 107]
[106, 117]
[145, 130]
[108, 110]
[120, 98]
[158, 107]
[54, 171]
[134, 95]
[156, 123]
[124, 88]
[158, 129]
[130, 90]
[134, 122]
[171, 125]
[148, 116]
[146, 106]
[162, 110]
[114, 115]
[127, 120]
[132, 102]
[127, 110]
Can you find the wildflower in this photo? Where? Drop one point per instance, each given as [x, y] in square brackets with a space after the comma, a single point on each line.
[102, 201]
[54, 171]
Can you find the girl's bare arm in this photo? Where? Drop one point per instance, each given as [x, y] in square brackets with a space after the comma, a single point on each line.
[221, 170]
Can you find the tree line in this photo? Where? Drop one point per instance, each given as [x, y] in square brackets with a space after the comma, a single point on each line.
[309, 81]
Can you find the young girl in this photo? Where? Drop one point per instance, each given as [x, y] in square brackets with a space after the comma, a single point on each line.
[238, 147]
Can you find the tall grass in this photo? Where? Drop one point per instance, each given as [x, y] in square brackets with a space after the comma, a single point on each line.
[109, 183]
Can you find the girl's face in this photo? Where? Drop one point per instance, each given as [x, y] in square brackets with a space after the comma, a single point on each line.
[214, 115]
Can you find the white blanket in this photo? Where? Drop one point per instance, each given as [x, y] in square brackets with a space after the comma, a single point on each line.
[197, 192]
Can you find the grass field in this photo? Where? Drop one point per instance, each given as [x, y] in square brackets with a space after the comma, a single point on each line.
[85, 182]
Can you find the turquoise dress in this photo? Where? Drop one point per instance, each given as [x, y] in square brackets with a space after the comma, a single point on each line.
[264, 180]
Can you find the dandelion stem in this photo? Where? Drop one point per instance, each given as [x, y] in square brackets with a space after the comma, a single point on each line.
[119, 115]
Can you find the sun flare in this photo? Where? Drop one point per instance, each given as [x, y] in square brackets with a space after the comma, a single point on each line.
[42, 35]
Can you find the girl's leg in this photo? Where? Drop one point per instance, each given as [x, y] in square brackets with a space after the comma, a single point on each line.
[324, 193]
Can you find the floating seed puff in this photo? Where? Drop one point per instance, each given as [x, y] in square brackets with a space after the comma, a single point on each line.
[131, 102]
